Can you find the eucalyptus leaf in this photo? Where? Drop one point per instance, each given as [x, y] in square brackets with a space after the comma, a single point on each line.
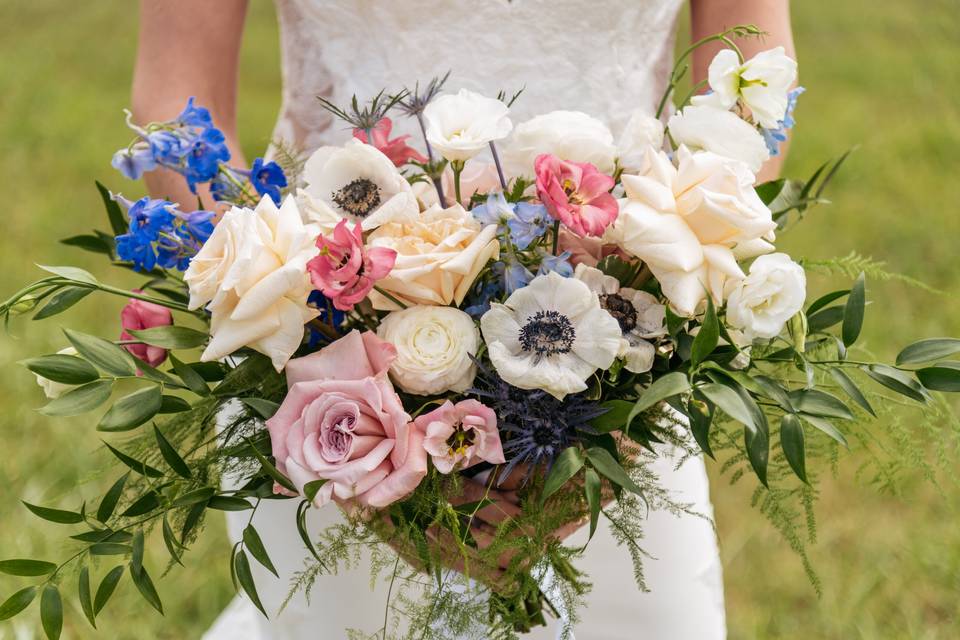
[945, 376]
[85, 597]
[102, 354]
[672, 384]
[193, 380]
[708, 337]
[853, 311]
[145, 586]
[79, 400]
[567, 464]
[272, 471]
[264, 408]
[851, 389]
[171, 337]
[143, 505]
[118, 220]
[824, 319]
[592, 491]
[896, 380]
[253, 544]
[136, 558]
[729, 401]
[791, 441]
[607, 466]
[825, 426]
[173, 404]
[170, 455]
[140, 467]
[54, 515]
[131, 411]
[106, 589]
[171, 542]
[820, 403]
[203, 494]
[17, 602]
[928, 350]
[71, 273]
[228, 503]
[824, 300]
[51, 612]
[61, 301]
[245, 578]
[110, 549]
[27, 568]
[62, 368]
[700, 422]
[89, 242]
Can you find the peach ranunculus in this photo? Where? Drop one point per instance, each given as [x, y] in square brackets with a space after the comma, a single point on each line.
[461, 435]
[342, 422]
[438, 257]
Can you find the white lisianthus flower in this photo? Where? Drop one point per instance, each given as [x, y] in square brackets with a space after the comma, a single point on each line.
[252, 276]
[570, 135]
[723, 132]
[691, 223]
[774, 291]
[642, 132]
[51, 388]
[434, 345]
[640, 315]
[762, 83]
[461, 125]
[550, 335]
[354, 182]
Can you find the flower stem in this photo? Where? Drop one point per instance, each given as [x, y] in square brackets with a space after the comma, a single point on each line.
[389, 297]
[437, 183]
[457, 166]
[556, 237]
[496, 161]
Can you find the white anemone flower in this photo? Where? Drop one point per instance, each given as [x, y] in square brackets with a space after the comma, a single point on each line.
[640, 315]
[461, 125]
[354, 182]
[550, 335]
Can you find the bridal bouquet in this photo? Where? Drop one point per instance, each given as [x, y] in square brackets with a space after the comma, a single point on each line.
[472, 351]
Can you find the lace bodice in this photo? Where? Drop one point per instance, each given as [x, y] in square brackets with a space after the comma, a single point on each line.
[604, 58]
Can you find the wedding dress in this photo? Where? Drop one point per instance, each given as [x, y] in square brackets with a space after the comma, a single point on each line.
[603, 58]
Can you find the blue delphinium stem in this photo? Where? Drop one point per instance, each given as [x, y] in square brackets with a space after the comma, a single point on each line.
[496, 161]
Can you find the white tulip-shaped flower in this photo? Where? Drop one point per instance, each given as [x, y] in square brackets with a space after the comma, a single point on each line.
[708, 128]
[570, 135]
[461, 125]
[643, 132]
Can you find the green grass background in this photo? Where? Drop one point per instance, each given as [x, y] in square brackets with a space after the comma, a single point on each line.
[884, 75]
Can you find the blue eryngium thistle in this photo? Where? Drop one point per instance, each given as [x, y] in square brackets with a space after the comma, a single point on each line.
[535, 427]
[416, 101]
[369, 115]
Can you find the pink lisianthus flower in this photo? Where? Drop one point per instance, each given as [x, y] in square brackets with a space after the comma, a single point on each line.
[397, 149]
[345, 271]
[139, 315]
[576, 193]
[342, 422]
[461, 435]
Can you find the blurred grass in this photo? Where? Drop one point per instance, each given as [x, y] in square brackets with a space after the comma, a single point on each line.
[885, 76]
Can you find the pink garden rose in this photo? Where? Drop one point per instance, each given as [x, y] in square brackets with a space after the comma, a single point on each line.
[345, 270]
[461, 435]
[397, 149]
[342, 422]
[577, 194]
[139, 315]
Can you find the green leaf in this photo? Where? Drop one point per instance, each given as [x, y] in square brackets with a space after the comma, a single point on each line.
[102, 354]
[667, 386]
[700, 426]
[54, 515]
[145, 587]
[823, 301]
[190, 522]
[591, 488]
[17, 602]
[613, 265]
[301, 521]
[170, 455]
[768, 191]
[928, 351]
[253, 543]
[86, 600]
[190, 377]
[248, 375]
[106, 589]
[89, 242]
[61, 301]
[943, 377]
[203, 494]
[228, 503]
[51, 612]
[118, 220]
[311, 488]
[851, 389]
[145, 504]
[103, 535]
[567, 464]
[27, 568]
[79, 400]
[173, 404]
[708, 337]
[896, 380]
[820, 403]
[264, 408]
[140, 467]
[172, 337]
[71, 273]
[853, 311]
[791, 440]
[775, 391]
[110, 549]
[729, 401]
[136, 559]
[825, 426]
[245, 577]
[271, 470]
[62, 368]
[824, 319]
[169, 539]
[615, 416]
[131, 411]
[607, 466]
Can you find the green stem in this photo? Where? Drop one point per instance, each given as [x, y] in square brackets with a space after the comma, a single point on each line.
[390, 297]
[556, 238]
[457, 166]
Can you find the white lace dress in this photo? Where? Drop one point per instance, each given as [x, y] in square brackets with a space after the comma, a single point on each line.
[604, 58]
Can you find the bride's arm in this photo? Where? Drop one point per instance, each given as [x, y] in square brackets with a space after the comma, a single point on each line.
[713, 16]
[188, 48]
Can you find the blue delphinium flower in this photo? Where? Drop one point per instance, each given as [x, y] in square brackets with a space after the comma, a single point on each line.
[530, 221]
[773, 137]
[267, 178]
[194, 116]
[168, 148]
[511, 274]
[198, 224]
[329, 315]
[496, 210]
[161, 235]
[225, 186]
[560, 264]
[134, 162]
[480, 295]
[209, 149]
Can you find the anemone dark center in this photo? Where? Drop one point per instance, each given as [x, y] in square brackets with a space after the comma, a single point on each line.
[358, 197]
[621, 309]
[547, 333]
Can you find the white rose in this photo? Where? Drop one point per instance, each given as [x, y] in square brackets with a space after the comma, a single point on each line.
[761, 83]
[354, 182]
[252, 276]
[463, 124]
[642, 132]
[54, 390]
[722, 132]
[762, 303]
[569, 135]
[434, 345]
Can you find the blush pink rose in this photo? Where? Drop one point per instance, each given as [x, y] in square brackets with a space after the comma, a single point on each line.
[342, 422]
[139, 315]
[576, 193]
[588, 250]
[345, 271]
[397, 149]
[461, 435]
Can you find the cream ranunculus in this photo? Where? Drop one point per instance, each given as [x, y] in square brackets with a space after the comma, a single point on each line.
[762, 303]
[461, 125]
[642, 132]
[722, 132]
[438, 257]
[690, 224]
[354, 182]
[570, 135]
[251, 275]
[434, 348]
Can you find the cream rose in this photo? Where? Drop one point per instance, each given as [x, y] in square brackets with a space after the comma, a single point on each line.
[762, 303]
[461, 125]
[434, 348]
[438, 257]
[251, 275]
[570, 135]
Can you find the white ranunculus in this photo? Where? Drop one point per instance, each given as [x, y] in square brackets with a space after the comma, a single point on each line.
[461, 125]
[642, 132]
[773, 292]
[550, 335]
[691, 223]
[434, 345]
[251, 274]
[762, 83]
[570, 135]
[722, 132]
[52, 389]
[356, 182]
